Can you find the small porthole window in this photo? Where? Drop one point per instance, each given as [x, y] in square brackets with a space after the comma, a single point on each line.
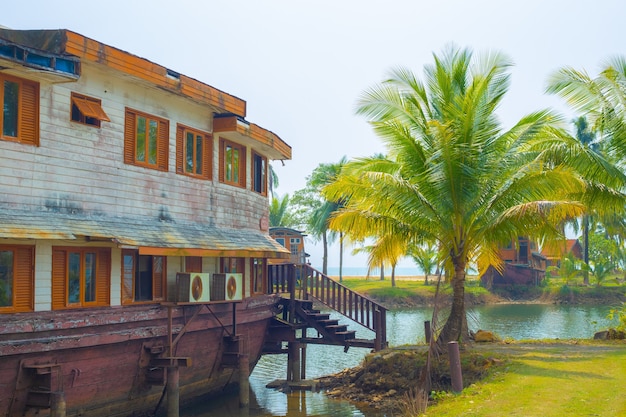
[87, 110]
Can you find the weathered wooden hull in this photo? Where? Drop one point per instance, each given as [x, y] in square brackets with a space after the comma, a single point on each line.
[103, 359]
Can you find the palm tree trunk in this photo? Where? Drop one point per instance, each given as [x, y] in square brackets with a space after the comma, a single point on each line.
[340, 256]
[325, 256]
[455, 328]
[393, 275]
[382, 271]
[586, 249]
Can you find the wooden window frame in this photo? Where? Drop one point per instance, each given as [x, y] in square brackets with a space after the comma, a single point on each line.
[87, 110]
[241, 181]
[159, 280]
[181, 152]
[258, 274]
[259, 174]
[130, 140]
[27, 111]
[60, 277]
[22, 297]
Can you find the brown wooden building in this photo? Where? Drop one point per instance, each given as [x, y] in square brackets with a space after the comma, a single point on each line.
[293, 241]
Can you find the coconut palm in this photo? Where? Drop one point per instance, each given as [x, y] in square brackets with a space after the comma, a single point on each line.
[314, 211]
[452, 174]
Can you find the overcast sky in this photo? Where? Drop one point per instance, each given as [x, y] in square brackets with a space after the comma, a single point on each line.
[301, 65]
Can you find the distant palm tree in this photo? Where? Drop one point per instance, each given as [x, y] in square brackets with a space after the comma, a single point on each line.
[453, 175]
[279, 212]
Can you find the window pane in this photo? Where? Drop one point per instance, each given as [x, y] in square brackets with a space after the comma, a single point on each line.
[141, 139]
[10, 113]
[143, 283]
[236, 165]
[90, 277]
[73, 287]
[152, 147]
[128, 273]
[6, 278]
[229, 163]
[189, 152]
[199, 154]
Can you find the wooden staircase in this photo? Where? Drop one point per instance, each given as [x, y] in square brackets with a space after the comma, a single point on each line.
[300, 286]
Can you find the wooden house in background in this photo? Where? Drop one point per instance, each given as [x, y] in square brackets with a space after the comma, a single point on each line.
[293, 241]
[133, 230]
[523, 265]
[557, 250]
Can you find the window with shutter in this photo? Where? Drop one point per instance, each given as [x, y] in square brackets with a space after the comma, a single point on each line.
[19, 101]
[194, 150]
[146, 140]
[143, 277]
[232, 163]
[87, 110]
[81, 277]
[16, 278]
[259, 176]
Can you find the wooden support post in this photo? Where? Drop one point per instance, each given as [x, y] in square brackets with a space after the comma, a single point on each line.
[173, 392]
[293, 362]
[427, 331]
[303, 361]
[58, 405]
[244, 382]
[378, 342]
[455, 367]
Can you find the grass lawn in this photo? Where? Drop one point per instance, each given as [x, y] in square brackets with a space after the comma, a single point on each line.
[547, 380]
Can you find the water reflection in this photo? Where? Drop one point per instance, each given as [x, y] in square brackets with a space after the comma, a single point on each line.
[515, 321]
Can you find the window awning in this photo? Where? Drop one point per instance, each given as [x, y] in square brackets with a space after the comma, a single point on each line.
[90, 108]
[150, 236]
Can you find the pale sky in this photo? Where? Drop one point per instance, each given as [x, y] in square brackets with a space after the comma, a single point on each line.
[301, 65]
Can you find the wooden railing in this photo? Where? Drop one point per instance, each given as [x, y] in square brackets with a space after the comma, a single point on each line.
[303, 282]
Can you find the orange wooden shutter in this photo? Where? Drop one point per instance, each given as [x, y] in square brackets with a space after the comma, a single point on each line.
[58, 278]
[207, 156]
[158, 277]
[242, 167]
[23, 279]
[129, 137]
[180, 150]
[103, 277]
[29, 120]
[163, 145]
[222, 161]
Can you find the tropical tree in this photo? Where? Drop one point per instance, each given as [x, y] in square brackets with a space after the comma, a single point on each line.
[425, 257]
[452, 174]
[279, 212]
[313, 210]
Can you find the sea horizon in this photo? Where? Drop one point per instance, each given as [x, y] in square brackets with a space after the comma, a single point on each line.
[359, 271]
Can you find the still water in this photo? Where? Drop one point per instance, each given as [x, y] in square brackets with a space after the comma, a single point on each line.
[514, 321]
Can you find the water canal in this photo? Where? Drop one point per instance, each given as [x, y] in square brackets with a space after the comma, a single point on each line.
[515, 321]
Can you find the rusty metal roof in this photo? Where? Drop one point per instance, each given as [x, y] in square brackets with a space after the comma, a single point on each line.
[149, 235]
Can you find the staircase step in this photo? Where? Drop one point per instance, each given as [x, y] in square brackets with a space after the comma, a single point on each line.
[347, 335]
[329, 322]
[337, 328]
[319, 316]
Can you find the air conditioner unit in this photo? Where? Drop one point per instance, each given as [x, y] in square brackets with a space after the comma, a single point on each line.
[193, 287]
[226, 287]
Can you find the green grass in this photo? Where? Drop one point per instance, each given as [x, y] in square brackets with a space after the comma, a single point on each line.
[547, 380]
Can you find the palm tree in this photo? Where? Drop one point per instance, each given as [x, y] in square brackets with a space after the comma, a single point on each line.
[602, 101]
[424, 256]
[279, 212]
[453, 175]
[315, 211]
